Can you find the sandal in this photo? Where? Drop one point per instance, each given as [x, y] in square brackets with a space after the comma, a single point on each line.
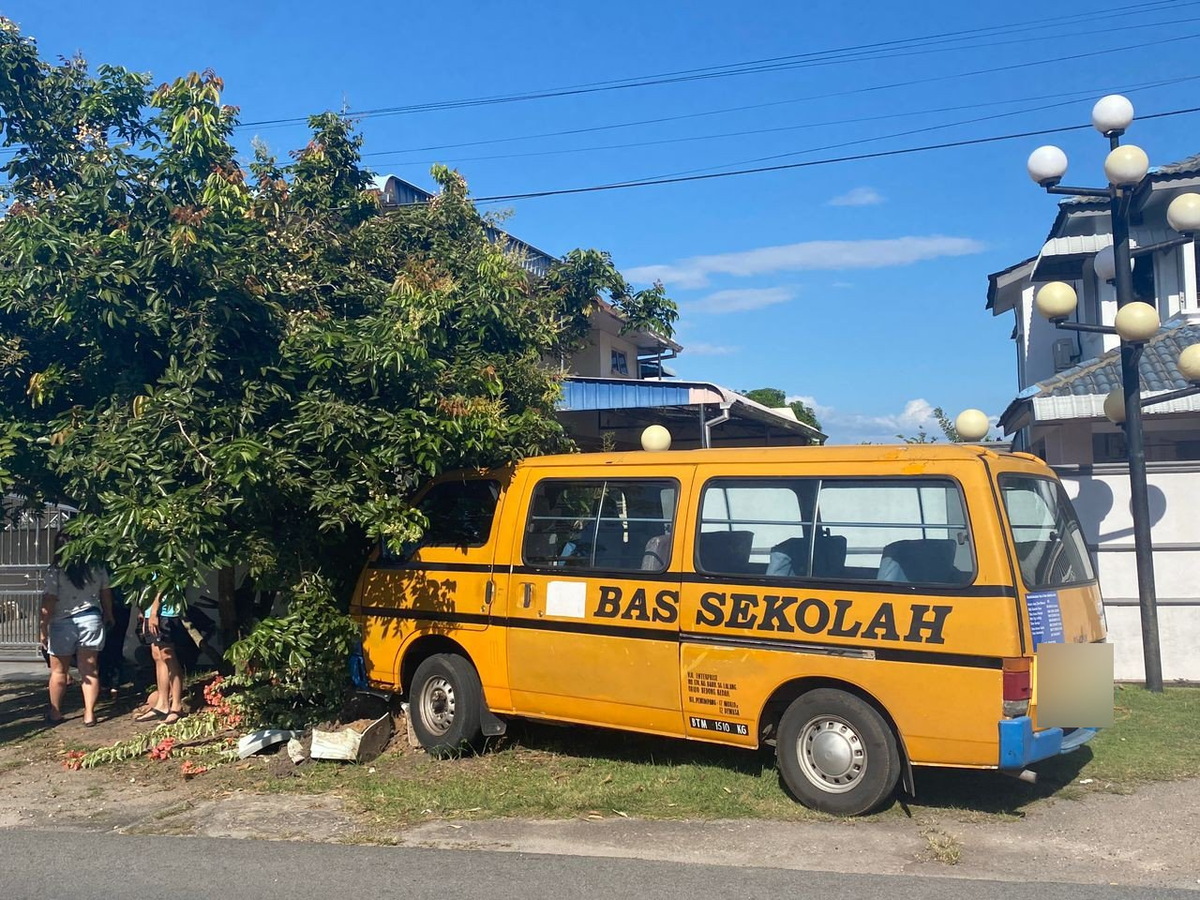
[177, 713]
[87, 724]
[51, 721]
[151, 715]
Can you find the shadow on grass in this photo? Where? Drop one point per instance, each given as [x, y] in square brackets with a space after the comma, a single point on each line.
[970, 790]
[23, 707]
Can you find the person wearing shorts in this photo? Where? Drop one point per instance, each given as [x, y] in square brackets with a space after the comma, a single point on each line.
[76, 607]
[164, 627]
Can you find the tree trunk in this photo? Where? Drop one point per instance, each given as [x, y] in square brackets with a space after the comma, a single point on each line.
[227, 606]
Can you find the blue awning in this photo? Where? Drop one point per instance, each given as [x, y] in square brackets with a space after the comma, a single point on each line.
[580, 395]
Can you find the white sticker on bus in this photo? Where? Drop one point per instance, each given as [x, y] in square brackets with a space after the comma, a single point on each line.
[567, 599]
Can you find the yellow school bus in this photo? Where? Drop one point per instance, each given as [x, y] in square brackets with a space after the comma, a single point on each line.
[863, 609]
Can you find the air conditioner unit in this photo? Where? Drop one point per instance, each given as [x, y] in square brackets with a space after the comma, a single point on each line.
[1065, 354]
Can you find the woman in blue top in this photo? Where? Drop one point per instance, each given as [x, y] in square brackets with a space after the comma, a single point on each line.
[165, 625]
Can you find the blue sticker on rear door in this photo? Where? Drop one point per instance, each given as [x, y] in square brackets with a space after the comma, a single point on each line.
[1045, 618]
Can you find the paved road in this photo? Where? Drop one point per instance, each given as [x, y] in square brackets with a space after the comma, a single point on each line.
[45, 865]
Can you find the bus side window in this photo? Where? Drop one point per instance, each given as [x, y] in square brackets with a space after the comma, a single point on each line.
[756, 526]
[459, 513]
[909, 531]
[603, 525]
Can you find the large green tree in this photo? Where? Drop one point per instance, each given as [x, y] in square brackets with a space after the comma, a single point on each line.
[221, 363]
[777, 399]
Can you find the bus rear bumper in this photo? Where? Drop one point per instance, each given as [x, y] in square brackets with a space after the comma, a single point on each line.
[1020, 745]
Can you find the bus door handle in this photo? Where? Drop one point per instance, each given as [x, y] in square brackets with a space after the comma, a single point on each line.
[527, 594]
[489, 593]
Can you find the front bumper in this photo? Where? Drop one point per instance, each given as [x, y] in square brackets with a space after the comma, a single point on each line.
[1020, 745]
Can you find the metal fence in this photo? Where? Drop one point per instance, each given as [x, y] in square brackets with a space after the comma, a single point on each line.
[26, 549]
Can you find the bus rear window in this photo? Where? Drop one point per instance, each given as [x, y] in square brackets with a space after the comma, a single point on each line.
[1049, 542]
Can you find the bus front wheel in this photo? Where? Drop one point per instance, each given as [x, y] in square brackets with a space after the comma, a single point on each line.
[836, 753]
[444, 701]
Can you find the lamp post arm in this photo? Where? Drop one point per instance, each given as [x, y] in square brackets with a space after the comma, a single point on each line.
[1147, 249]
[1079, 191]
[1171, 395]
[1084, 326]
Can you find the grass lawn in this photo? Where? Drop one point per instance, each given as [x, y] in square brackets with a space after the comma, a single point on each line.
[549, 772]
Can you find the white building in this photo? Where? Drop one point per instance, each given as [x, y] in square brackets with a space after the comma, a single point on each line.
[1063, 378]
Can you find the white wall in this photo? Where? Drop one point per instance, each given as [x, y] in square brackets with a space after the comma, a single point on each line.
[1101, 497]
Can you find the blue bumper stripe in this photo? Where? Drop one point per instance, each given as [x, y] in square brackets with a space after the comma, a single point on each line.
[1020, 745]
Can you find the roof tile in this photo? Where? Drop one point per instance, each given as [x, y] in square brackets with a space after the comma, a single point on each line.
[1158, 368]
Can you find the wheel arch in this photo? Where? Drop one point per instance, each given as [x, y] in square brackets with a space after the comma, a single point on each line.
[783, 696]
[420, 649]
[424, 646]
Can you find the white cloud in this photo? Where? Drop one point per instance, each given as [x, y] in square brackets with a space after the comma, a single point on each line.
[695, 271]
[859, 196]
[703, 349]
[845, 427]
[741, 300]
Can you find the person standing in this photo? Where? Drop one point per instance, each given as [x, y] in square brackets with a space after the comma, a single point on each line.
[112, 657]
[165, 626]
[76, 606]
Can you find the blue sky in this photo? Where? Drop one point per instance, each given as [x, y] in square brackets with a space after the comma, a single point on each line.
[859, 285]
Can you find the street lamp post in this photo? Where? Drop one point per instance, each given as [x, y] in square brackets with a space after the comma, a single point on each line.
[1126, 167]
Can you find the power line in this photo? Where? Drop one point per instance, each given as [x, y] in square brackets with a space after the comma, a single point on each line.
[1073, 96]
[819, 57]
[775, 103]
[880, 154]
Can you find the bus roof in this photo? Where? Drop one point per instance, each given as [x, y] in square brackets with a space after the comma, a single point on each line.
[837, 453]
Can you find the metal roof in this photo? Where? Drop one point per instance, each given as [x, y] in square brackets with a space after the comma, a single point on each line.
[589, 394]
[1088, 244]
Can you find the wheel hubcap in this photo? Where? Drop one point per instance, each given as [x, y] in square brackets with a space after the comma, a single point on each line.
[831, 754]
[437, 705]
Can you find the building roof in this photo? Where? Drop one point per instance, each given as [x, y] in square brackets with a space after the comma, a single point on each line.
[1001, 295]
[1079, 392]
[395, 191]
[593, 394]
[1064, 254]
[1188, 166]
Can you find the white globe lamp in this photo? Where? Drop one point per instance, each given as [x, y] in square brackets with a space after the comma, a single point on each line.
[1114, 406]
[1112, 114]
[656, 439]
[1105, 262]
[1126, 165]
[1137, 322]
[1056, 300]
[1184, 213]
[1047, 165]
[1189, 363]
[972, 425]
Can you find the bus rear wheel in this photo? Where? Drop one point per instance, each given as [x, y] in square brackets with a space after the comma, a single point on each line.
[836, 753]
[444, 702]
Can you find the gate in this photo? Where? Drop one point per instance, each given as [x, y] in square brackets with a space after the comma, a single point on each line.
[26, 549]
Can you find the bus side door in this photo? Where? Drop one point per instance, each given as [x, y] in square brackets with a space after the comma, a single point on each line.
[593, 601]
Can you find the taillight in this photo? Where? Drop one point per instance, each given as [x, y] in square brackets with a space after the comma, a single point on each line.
[1018, 685]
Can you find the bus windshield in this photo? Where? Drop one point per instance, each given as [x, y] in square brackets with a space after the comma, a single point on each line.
[1049, 542]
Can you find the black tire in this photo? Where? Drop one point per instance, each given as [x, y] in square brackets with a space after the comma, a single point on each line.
[836, 753]
[444, 701]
